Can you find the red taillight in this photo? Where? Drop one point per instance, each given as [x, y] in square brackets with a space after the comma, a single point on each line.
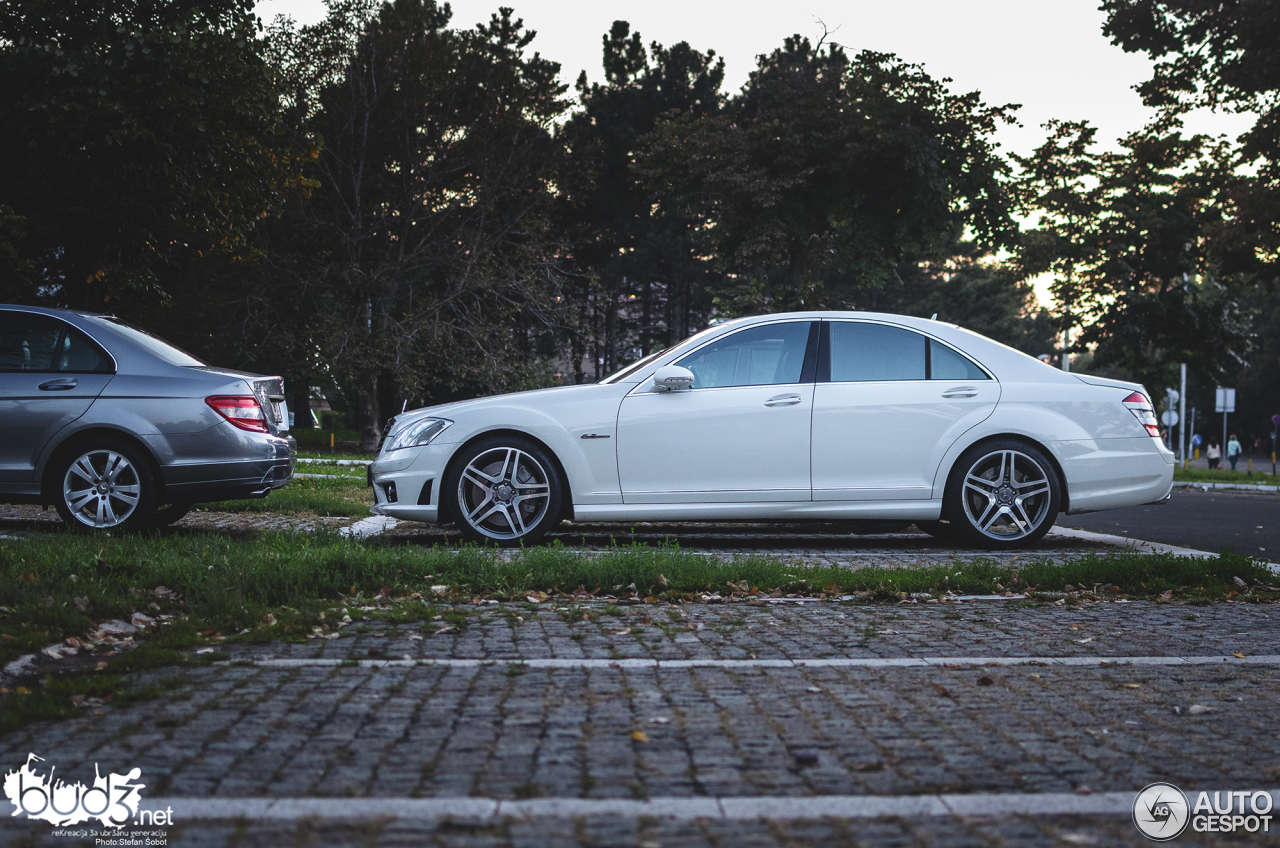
[1141, 408]
[241, 410]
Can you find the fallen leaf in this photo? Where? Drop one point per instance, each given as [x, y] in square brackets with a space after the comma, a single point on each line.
[1199, 709]
[870, 767]
[985, 681]
[659, 720]
[82, 604]
[623, 632]
[639, 736]
[1133, 686]
[662, 581]
[814, 689]
[205, 651]
[1240, 583]
[270, 620]
[1083, 641]
[1238, 654]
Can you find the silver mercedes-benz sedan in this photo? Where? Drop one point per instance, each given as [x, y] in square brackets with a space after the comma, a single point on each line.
[119, 429]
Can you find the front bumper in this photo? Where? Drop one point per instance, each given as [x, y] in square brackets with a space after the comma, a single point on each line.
[406, 483]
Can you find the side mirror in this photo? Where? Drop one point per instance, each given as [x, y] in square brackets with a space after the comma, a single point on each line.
[670, 378]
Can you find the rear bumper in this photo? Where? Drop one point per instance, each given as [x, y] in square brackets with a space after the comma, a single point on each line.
[233, 479]
[1112, 473]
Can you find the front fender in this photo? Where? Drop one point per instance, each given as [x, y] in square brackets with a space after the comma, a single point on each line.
[590, 464]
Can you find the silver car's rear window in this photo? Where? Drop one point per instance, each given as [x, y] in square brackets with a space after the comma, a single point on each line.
[161, 348]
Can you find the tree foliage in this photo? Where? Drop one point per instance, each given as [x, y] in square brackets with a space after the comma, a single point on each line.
[826, 171]
[641, 279]
[139, 133]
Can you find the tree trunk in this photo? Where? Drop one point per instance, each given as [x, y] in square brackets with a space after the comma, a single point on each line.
[367, 414]
[301, 407]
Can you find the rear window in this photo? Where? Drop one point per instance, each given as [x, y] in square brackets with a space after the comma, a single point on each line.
[158, 346]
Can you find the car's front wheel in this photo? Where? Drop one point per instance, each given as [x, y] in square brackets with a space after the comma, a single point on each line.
[105, 485]
[1002, 494]
[504, 490]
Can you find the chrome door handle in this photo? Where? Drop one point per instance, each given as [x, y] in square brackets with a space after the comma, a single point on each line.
[963, 391]
[57, 385]
[783, 400]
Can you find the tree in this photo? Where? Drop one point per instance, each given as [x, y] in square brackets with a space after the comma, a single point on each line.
[825, 172]
[642, 282]
[1223, 55]
[425, 253]
[139, 133]
[1134, 241]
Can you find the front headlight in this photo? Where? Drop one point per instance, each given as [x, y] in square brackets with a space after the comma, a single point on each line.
[416, 433]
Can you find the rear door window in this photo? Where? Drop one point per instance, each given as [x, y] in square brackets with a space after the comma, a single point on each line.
[39, 343]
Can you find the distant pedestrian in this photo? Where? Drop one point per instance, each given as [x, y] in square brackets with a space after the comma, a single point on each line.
[1213, 453]
[1233, 451]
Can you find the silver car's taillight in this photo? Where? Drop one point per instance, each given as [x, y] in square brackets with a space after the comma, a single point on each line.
[243, 411]
[1145, 413]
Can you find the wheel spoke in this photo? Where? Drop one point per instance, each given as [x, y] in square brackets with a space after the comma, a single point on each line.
[1029, 490]
[982, 484]
[128, 494]
[510, 465]
[514, 519]
[475, 475]
[79, 500]
[114, 465]
[993, 510]
[84, 469]
[1025, 523]
[484, 503]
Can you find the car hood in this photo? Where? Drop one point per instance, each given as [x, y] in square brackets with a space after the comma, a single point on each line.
[534, 397]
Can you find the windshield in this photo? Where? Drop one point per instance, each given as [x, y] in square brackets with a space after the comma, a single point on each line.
[627, 371]
[158, 346]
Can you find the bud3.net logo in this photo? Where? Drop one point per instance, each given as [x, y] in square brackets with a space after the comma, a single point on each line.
[112, 800]
[1162, 812]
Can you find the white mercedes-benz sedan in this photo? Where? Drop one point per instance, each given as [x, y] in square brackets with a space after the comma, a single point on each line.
[807, 415]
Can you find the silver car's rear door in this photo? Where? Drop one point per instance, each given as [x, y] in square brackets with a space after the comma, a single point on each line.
[49, 375]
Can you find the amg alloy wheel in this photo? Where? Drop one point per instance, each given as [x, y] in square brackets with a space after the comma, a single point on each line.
[1003, 495]
[505, 491]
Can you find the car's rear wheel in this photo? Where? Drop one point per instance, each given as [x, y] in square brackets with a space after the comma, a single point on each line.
[105, 485]
[504, 490]
[1002, 494]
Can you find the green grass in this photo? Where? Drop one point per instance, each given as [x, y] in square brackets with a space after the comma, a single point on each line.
[340, 454]
[1204, 475]
[346, 498]
[228, 585]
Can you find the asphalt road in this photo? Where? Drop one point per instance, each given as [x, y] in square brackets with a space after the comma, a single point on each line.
[1244, 523]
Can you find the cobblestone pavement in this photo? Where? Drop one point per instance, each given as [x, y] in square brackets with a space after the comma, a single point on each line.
[328, 719]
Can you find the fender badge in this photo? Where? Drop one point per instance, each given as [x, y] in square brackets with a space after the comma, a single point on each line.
[593, 436]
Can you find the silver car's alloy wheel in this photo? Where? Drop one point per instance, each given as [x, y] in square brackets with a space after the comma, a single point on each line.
[1006, 495]
[503, 493]
[101, 489]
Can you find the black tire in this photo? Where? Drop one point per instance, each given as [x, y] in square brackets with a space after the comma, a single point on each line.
[104, 485]
[504, 490]
[1002, 494]
[166, 515]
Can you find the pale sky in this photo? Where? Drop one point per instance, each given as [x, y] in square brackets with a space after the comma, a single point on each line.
[1048, 55]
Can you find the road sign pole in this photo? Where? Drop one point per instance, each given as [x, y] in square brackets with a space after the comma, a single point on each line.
[1182, 416]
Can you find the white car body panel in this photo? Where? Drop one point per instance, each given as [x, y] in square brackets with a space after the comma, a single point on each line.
[716, 445]
[721, 454]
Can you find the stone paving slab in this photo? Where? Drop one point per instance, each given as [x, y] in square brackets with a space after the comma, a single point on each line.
[1022, 831]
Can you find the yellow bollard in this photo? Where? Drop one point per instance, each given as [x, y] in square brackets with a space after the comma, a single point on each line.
[330, 444]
